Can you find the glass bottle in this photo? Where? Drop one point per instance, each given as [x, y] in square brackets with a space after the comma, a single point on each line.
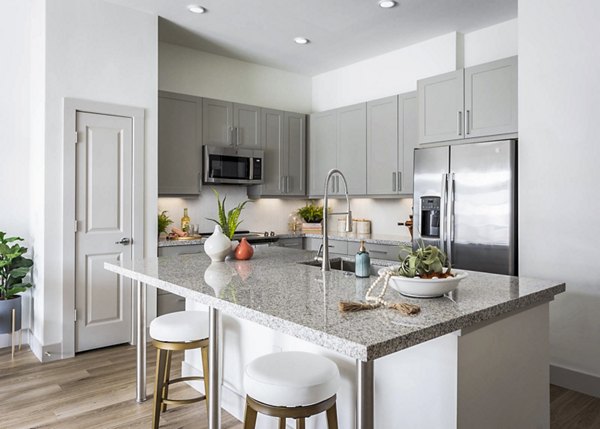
[185, 221]
[363, 262]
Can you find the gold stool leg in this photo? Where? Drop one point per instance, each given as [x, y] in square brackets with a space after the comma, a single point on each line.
[300, 423]
[158, 385]
[249, 417]
[165, 390]
[281, 422]
[204, 351]
[332, 417]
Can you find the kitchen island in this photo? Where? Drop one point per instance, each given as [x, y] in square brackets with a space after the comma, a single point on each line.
[476, 358]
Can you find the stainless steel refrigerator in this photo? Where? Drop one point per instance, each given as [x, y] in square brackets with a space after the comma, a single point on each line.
[465, 202]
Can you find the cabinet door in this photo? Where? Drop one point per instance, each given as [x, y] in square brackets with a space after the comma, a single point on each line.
[272, 130]
[295, 153]
[246, 120]
[491, 98]
[382, 146]
[441, 107]
[179, 144]
[352, 149]
[217, 122]
[407, 139]
[323, 142]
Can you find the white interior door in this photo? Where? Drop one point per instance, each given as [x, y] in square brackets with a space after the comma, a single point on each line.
[104, 224]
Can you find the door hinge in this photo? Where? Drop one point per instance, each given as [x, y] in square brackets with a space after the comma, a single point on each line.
[76, 137]
[74, 315]
[76, 226]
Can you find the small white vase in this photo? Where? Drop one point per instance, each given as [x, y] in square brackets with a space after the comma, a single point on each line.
[217, 246]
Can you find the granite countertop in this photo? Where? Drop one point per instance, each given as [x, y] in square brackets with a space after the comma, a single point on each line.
[273, 290]
[389, 239]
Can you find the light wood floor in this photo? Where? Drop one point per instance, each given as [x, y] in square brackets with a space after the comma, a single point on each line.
[96, 390]
[93, 390]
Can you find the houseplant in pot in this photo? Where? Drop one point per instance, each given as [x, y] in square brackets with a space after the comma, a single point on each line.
[227, 224]
[424, 273]
[312, 216]
[14, 267]
[163, 222]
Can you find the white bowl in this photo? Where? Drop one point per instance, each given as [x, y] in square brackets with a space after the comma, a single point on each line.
[424, 288]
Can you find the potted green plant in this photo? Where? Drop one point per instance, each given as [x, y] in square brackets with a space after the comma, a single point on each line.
[14, 267]
[228, 220]
[163, 222]
[312, 216]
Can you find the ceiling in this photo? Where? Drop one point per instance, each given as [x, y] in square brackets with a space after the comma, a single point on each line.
[341, 31]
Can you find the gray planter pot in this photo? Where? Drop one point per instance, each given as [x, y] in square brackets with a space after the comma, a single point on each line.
[6, 307]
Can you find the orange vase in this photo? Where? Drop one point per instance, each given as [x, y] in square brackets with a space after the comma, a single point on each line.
[244, 251]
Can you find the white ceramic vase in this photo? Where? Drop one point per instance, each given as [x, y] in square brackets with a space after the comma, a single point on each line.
[217, 246]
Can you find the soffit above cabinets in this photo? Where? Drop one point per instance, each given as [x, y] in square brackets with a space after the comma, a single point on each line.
[341, 32]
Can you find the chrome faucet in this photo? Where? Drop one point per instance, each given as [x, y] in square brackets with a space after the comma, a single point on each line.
[326, 265]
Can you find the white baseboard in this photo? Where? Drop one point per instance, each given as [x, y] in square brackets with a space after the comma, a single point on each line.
[575, 380]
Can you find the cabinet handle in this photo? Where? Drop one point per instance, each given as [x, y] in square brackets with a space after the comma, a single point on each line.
[382, 252]
[237, 136]
[468, 126]
[337, 184]
[399, 181]
[393, 181]
[460, 123]
[281, 183]
[333, 185]
[287, 184]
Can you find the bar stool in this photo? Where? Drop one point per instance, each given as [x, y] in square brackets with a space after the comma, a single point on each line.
[291, 385]
[182, 330]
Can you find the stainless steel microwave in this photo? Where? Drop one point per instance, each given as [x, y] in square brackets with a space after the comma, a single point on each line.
[232, 165]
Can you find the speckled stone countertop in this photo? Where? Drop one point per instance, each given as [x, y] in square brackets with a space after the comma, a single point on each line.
[274, 290]
[389, 239]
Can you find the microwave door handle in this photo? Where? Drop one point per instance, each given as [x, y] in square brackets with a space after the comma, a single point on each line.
[251, 169]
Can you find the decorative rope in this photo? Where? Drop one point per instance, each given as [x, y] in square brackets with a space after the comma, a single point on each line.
[378, 301]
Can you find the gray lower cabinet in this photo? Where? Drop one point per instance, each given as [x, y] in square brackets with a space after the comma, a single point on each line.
[491, 105]
[289, 243]
[179, 144]
[180, 250]
[322, 148]
[441, 107]
[336, 247]
[382, 146]
[284, 141]
[230, 124]
[386, 252]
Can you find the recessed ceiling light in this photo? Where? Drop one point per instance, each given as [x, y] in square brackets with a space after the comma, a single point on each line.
[386, 4]
[301, 40]
[194, 8]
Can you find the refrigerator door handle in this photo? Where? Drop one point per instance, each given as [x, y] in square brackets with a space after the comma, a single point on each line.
[451, 199]
[443, 212]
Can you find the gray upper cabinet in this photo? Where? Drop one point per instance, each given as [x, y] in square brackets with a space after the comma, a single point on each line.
[217, 122]
[323, 149]
[441, 107]
[283, 136]
[230, 124]
[382, 146]
[179, 144]
[295, 153]
[352, 149]
[491, 98]
[408, 140]
[246, 122]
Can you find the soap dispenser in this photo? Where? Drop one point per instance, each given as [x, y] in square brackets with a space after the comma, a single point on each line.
[363, 262]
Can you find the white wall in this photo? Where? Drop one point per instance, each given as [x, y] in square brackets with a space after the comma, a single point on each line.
[15, 153]
[388, 74]
[559, 83]
[491, 43]
[199, 73]
[102, 52]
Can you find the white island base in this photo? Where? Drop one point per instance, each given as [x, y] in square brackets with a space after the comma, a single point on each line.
[491, 375]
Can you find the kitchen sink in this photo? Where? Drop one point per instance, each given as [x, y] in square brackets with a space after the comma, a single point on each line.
[339, 264]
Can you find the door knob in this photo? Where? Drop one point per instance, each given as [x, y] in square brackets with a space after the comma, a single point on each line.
[124, 241]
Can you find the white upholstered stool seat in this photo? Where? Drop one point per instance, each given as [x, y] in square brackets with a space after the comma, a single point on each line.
[293, 385]
[180, 326]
